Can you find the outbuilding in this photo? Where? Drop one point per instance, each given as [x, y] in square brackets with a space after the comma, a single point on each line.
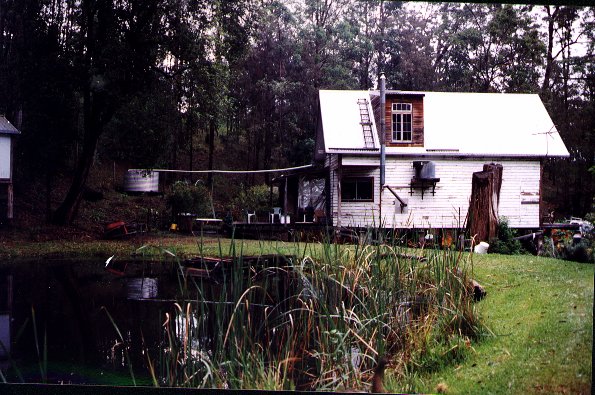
[7, 136]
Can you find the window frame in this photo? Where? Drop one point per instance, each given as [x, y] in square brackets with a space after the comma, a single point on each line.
[398, 123]
[357, 180]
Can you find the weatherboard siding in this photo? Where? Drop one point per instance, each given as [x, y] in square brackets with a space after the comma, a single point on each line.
[417, 103]
[519, 195]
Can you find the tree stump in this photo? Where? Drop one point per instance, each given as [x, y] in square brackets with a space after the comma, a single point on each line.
[485, 199]
[479, 291]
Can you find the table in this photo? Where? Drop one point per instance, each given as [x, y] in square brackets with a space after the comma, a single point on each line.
[207, 221]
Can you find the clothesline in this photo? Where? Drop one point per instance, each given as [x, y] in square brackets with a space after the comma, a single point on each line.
[225, 171]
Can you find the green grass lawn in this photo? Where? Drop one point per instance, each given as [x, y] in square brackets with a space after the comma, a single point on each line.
[541, 314]
[539, 310]
[182, 245]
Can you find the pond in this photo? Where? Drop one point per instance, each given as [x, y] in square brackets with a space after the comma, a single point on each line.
[92, 323]
[268, 321]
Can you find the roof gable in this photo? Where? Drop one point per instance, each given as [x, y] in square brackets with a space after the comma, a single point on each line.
[6, 127]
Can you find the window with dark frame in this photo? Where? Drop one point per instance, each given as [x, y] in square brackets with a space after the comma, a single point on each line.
[402, 115]
[357, 189]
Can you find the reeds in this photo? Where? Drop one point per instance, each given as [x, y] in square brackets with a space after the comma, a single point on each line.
[319, 319]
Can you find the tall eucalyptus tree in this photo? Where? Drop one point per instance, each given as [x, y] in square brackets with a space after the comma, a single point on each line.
[488, 48]
[568, 92]
[112, 52]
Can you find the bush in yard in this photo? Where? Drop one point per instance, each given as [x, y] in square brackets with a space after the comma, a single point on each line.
[548, 249]
[187, 198]
[505, 243]
[255, 198]
[579, 252]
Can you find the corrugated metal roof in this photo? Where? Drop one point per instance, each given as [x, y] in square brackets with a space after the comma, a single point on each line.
[341, 118]
[6, 127]
[461, 124]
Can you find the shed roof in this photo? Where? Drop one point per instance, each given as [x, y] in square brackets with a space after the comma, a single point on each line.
[6, 127]
[461, 124]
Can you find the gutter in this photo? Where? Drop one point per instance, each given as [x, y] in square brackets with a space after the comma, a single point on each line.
[449, 154]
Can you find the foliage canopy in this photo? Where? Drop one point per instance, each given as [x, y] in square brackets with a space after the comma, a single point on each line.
[220, 84]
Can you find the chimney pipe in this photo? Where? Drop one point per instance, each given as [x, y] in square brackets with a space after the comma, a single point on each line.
[382, 130]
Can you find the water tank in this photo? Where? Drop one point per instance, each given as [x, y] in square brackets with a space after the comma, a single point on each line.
[424, 169]
[141, 181]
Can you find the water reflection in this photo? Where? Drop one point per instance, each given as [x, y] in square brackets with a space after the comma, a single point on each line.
[142, 288]
[95, 317]
[68, 298]
[5, 317]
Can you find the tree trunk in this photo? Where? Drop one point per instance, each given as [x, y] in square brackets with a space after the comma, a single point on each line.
[94, 118]
[549, 59]
[94, 103]
[268, 142]
[48, 191]
[212, 128]
[66, 213]
[485, 199]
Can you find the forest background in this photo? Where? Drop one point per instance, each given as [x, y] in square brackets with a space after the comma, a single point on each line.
[215, 84]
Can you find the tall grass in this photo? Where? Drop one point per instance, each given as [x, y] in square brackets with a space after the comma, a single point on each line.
[319, 318]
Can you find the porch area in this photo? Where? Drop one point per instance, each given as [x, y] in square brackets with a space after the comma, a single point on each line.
[297, 231]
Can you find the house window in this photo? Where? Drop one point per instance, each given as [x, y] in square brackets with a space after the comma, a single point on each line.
[357, 189]
[402, 115]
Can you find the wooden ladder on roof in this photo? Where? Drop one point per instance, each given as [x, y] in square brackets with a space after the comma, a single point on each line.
[366, 123]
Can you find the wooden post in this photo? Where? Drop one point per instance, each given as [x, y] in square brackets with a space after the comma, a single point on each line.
[542, 211]
[380, 208]
[270, 196]
[285, 197]
[10, 208]
[339, 176]
[485, 199]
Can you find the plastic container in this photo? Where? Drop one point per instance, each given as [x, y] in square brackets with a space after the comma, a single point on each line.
[481, 248]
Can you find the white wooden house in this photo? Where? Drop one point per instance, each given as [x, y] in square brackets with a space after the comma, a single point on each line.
[447, 137]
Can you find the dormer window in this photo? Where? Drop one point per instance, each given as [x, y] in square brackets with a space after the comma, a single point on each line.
[402, 115]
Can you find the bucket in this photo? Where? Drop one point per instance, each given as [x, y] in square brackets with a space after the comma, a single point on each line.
[481, 248]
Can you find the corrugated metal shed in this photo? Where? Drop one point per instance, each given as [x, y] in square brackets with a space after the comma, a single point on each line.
[461, 124]
[6, 127]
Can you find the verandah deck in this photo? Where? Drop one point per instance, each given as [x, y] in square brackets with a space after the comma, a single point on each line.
[276, 231]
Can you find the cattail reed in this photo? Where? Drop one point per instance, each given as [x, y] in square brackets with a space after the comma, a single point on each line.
[320, 318]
